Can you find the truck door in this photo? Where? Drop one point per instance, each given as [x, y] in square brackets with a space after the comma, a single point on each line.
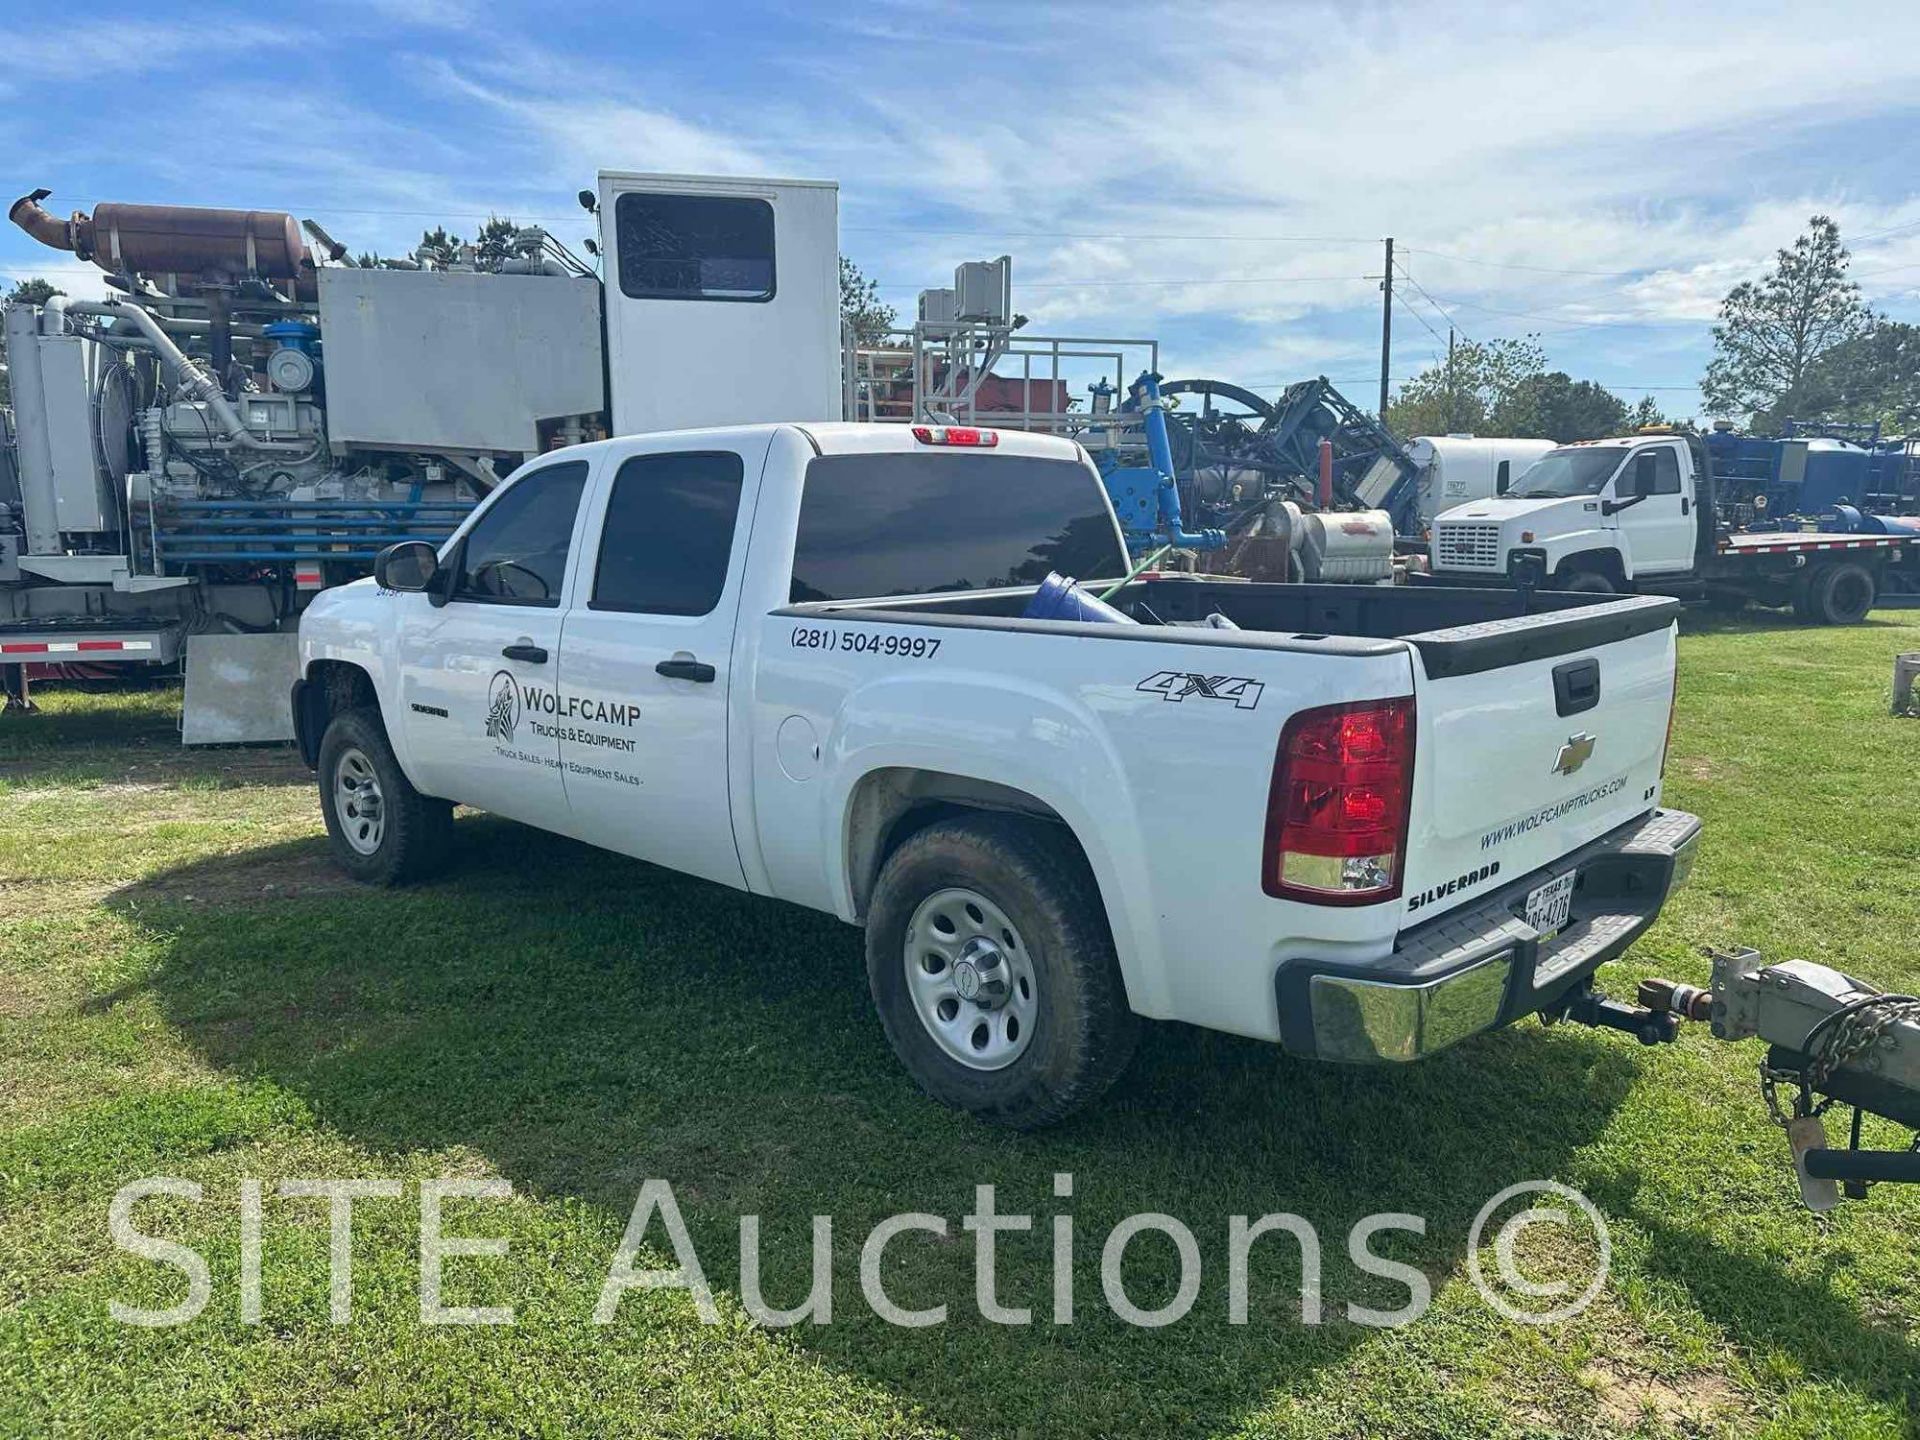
[1659, 530]
[478, 673]
[647, 651]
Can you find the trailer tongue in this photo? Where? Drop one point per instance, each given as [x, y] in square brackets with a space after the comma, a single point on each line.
[1831, 1039]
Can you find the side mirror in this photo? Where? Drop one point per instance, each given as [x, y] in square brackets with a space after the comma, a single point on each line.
[1503, 477]
[1645, 474]
[411, 565]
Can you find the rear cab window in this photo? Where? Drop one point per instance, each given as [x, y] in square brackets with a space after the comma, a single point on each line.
[880, 525]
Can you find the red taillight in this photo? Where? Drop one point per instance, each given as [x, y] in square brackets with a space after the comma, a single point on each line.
[1337, 810]
[956, 435]
[1673, 705]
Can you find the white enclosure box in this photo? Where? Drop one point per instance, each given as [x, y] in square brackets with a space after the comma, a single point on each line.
[451, 360]
[723, 300]
[983, 291]
[938, 307]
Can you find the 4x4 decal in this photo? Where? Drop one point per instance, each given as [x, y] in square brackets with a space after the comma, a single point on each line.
[1177, 685]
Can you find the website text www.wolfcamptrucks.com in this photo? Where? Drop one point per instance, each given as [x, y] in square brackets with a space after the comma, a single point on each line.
[1547, 814]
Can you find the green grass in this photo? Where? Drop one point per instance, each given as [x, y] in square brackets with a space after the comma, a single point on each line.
[187, 989]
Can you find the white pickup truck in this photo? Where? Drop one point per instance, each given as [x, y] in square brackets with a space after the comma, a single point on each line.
[1366, 823]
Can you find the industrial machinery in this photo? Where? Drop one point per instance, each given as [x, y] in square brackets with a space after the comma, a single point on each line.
[248, 419]
[1812, 469]
[1231, 448]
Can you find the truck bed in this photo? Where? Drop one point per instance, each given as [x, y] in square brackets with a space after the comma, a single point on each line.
[1456, 631]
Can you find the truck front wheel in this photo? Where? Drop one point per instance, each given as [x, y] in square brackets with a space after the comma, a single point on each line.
[993, 970]
[1586, 582]
[1841, 594]
[383, 831]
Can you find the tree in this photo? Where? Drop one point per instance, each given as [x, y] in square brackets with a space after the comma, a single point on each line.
[1460, 393]
[861, 308]
[35, 291]
[1646, 411]
[1873, 376]
[1557, 407]
[1773, 330]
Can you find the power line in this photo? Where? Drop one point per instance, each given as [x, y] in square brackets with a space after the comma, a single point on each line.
[1566, 321]
[1512, 265]
[1204, 280]
[1890, 230]
[1108, 235]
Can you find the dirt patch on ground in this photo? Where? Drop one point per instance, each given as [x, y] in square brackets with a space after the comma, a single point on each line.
[1684, 1402]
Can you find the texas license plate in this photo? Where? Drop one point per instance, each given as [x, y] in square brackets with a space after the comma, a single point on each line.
[1549, 906]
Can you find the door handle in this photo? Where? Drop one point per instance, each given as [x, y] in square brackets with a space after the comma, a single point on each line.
[532, 654]
[688, 669]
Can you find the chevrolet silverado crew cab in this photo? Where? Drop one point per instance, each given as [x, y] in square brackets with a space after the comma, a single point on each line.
[835, 664]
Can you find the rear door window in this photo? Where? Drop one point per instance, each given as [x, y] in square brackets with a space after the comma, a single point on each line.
[668, 535]
[912, 524]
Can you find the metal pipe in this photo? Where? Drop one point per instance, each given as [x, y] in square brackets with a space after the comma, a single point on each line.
[75, 234]
[192, 379]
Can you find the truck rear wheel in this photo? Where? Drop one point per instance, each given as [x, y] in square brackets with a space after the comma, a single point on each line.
[993, 970]
[384, 832]
[1841, 594]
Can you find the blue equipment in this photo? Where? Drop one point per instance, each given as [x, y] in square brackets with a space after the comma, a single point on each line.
[1813, 469]
[1147, 497]
[1061, 598]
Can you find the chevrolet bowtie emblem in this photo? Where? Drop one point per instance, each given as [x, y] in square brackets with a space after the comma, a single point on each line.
[1573, 754]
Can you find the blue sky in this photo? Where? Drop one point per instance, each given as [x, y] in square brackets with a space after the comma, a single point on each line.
[1598, 174]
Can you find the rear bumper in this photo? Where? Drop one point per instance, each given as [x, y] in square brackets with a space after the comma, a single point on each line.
[1483, 966]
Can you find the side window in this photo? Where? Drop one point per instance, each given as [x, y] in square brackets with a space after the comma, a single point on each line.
[668, 535]
[694, 247]
[1666, 471]
[516, 553]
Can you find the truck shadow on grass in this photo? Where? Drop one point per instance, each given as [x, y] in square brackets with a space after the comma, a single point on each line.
[587, 1022]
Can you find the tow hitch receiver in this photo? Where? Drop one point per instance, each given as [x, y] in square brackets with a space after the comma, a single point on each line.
[1831, 1039]
[1650, 1024]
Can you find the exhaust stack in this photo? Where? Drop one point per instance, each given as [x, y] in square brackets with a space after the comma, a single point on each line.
[185, 240]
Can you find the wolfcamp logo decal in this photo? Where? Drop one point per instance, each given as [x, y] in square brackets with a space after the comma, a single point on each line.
[503, 707]
[514, 705]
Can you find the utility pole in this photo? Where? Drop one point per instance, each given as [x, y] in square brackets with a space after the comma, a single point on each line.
[1452, 423]
[1386, 328]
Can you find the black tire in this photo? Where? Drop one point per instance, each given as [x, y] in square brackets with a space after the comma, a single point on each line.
[1586, 582]
[410, 838]
[1841, 594]
[1082, 1033]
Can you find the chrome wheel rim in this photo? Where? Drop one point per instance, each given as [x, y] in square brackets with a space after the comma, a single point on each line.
[971, 979]
[357, 802]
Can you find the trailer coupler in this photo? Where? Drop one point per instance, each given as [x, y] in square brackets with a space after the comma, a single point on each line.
[1831, 1039]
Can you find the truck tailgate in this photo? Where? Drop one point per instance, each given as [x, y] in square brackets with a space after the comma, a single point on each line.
[1536, 735]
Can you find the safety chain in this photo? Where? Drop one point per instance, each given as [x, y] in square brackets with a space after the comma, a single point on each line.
[1832, 1045]
[1857, 1031]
